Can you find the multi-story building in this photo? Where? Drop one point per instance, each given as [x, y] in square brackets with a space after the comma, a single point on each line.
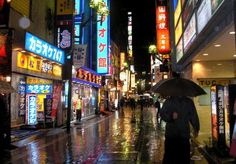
[204, 51]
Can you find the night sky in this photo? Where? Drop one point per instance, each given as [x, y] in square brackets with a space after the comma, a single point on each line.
[143, 28]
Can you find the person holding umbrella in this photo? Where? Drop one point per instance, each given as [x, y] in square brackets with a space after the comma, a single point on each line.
[178, 111]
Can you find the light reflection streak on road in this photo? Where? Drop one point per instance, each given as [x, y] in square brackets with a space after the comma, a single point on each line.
[32, 150]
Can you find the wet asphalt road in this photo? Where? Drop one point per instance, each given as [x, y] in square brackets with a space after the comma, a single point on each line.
[117, 138]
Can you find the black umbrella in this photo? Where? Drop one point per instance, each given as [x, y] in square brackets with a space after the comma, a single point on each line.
[178, 87]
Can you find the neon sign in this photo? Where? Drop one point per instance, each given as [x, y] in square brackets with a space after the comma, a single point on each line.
[31, 109]
[39, 88]
[163, 36]
[42, 48]
[102, 43]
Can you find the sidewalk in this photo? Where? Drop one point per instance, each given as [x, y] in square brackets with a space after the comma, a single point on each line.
[22, 134]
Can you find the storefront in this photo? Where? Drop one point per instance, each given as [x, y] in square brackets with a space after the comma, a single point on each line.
[85, 84]
[37, 76]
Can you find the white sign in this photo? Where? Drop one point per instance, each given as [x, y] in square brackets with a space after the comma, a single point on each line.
[79, 57]
[203, 14]
[190, 32]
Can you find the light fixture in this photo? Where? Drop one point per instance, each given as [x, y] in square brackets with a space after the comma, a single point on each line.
[232, 32]
[8, 78]
[205, 54]
[198, 60]
[165, 76]
[234, 55]
[217, 45]
[219, 64]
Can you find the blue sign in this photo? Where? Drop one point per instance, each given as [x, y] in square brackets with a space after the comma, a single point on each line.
[44, 49]
[103, 42]
[39, 88]
[32, 110]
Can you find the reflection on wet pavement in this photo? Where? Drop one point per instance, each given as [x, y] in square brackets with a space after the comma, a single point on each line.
[113, 139]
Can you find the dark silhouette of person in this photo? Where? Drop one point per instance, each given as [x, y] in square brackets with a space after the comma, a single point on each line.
[158, 108]
[179, 112]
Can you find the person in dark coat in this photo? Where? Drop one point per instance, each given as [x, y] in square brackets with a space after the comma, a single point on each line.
[178, 112]
[158, 108]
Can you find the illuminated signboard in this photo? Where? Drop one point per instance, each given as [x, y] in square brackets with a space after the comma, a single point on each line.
[32, 80]
[163, 35]
[203, 14]
[42, 48]
[88, 76]
[102, 42]
[178, 31]
[122, 60]
[130, 47]
[31, 114]
[190, 32]
[177, 10]
[39, 88]
[65, 7]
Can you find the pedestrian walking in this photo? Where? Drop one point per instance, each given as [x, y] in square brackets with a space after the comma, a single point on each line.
[178, 112]
[122, 103]
[78, 108]
[158, 108]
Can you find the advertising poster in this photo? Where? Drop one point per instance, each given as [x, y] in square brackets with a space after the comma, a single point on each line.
[48, 110]
[31, 109]
[214, 114]
[56, 98]
[79, 58]
[203, 14]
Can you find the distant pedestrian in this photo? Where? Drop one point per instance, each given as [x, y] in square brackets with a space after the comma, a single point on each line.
[178, 112]
[158, 108]
[122, 103]
[132, 104]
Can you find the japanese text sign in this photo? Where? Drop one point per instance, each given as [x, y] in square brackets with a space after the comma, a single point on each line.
[42, 48]
[163, 36]
[102, 43]
[39, 88]
[31, 115]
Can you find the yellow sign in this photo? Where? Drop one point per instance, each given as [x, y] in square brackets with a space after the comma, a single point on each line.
[65, 7]
[34, 64]
[212, 82]
[22, 60]
[177, 12]
[178, 31]
[57, 70]
[32, 80]
[40, 103]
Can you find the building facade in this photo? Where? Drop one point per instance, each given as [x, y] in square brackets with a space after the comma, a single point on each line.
[204, 51]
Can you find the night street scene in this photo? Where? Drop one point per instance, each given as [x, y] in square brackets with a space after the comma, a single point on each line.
[117, 81]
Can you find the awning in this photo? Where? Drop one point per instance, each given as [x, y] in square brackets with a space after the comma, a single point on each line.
[6, 87]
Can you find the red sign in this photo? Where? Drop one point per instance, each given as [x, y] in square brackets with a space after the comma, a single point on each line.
[163, 35]
[163, 41]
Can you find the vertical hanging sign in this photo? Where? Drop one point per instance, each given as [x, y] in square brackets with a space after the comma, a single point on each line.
[163, 36]
[102, 42]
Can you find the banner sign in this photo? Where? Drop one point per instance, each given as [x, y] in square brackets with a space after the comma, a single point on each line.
[79, 58]
[39, 88]
[21, 91]
[88, 76]
[102, 42]
[44, 49]
[56, 99]
[163, 36]
[48, 110]
[31, 114]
